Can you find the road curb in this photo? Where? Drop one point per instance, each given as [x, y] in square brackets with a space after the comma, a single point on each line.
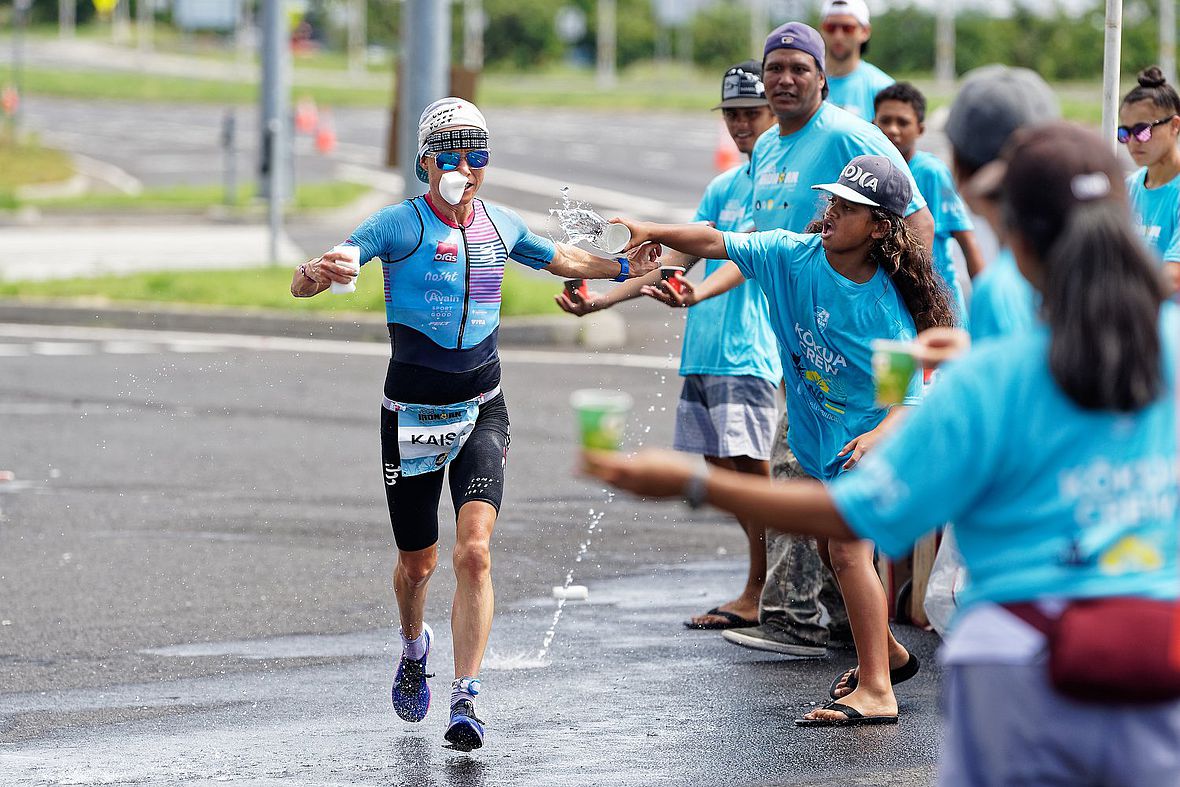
[604, 330]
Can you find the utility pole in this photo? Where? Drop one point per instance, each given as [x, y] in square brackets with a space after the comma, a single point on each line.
[607, 20]
[145, 12]
[275, 116]
[357, 32]
[67, 14]
[1112, 51]
[473, 26]
[20, 18]
[425, 68]
[944, 50]
[1168, 39]
[759, 26]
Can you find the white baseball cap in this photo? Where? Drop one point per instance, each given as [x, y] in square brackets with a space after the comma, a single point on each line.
[858, 9]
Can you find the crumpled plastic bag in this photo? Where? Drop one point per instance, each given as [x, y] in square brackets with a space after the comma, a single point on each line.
[947, 579]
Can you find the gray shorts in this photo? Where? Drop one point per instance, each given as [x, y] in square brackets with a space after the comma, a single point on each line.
[726, 416]
[1006, 726]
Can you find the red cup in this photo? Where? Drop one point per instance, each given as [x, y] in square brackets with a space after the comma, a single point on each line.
[577, 286]
[673, 276]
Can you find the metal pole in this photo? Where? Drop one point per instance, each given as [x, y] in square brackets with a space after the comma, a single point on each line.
[276, 111]
[357, 22]
[20, 19]
[759, 26]
[944, 57]
[426, 48]
[145, 11]
[606, 43]
[1168, 39]
[67, 13]
[1110, 70]
[473, 24]
[229, 151]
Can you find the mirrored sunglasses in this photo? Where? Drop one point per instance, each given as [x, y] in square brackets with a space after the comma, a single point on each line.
[448, 160]
[1140, 131]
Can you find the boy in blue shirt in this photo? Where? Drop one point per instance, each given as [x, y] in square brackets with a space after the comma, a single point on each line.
[901, 115]
[994, 101]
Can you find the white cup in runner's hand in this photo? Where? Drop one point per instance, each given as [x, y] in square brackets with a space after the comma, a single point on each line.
[614, 238]
[354, 259]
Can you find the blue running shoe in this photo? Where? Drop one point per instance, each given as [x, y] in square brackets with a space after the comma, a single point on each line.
[411, 692]
[465, 732]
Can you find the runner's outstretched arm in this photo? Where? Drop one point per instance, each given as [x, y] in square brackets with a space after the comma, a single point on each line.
[573, 263]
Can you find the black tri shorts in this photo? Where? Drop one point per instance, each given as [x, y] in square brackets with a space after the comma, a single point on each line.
[477, 473]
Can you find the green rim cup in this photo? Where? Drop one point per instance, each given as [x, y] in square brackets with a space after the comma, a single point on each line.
[602, 416]
[894, 366]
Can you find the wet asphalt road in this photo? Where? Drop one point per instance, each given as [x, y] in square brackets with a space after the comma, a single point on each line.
[193, 590]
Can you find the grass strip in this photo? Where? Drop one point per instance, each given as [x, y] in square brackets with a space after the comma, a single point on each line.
[261, 288]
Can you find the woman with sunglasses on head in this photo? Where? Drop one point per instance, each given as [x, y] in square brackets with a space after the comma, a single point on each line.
[1054, 452]
[1150, 123]
[442, 256]
[859, 274]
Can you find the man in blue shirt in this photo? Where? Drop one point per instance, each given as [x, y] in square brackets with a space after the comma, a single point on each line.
[812, 143]
[730, 363]
[853, 82]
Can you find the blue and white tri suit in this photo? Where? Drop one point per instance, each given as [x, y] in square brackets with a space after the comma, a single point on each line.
[442, 304]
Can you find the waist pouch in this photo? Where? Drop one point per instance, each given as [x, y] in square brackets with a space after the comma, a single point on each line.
[430, 436]
[1119, 650]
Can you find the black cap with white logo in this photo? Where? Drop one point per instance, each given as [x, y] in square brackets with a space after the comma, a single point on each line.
[875, 181]
[742, 87]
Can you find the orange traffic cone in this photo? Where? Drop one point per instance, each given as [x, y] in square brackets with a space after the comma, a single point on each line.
[9, 100]
[325, 134]
[727, 155]
[306, 115]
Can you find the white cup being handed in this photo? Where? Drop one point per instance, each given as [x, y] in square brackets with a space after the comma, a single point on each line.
[614, 238]
[354, 259]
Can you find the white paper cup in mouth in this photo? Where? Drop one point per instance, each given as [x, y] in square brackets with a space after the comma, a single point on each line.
[571, 593]
[614, 238]
[354, 259]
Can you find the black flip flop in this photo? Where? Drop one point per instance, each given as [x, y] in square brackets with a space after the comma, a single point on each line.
[896, 676]
[732, 621]
[852, 718]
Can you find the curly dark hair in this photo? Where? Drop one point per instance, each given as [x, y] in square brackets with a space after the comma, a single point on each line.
[909, 265]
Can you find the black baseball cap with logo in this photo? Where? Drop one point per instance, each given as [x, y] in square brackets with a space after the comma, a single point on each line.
[874, 181]
[742, 87]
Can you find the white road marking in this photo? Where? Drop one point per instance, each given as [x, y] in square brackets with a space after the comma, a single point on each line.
[180, 341]
[62, 348]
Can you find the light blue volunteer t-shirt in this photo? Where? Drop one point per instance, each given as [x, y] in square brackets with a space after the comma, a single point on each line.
[730, 335]
[1157, 211]
[1048, 499]
[856, 91]
[1002, 300]
[950, 215]
[825, 325]
[786, 167]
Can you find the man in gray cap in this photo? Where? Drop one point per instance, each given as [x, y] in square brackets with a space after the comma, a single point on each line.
[812, 144]
[994, 101]
[730, 362]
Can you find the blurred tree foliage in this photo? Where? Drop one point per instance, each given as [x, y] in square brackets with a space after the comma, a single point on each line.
[521, 34]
